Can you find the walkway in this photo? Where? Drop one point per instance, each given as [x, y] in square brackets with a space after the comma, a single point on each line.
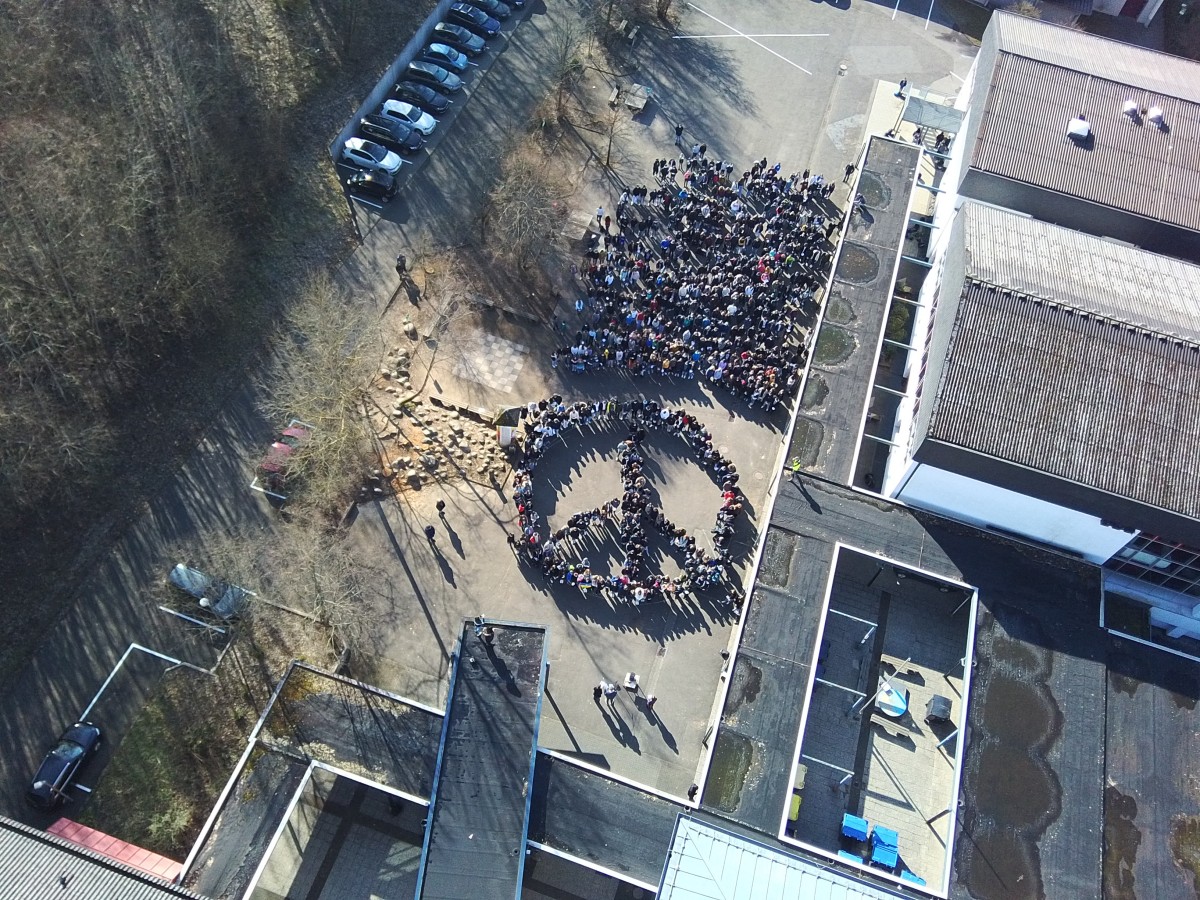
[475, 840]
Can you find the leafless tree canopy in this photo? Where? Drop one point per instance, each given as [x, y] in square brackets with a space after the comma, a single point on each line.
[322, 374]
[528, 207]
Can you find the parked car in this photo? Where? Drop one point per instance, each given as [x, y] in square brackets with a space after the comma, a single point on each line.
[271, 475]
[62, 763]
[409, 115]
[446, 56]
[369, 155]
[434, 76]
[476, 20]
[391, 133]
[459, 37]
[375, 185]
[222, 599]
[493, 8]
[423, 96]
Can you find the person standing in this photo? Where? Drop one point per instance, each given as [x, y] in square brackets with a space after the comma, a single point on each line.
[441, 510]
[679, 135]
[401, 265]
[431, 535]
[850, 169]
[596, 692]
[900, 89]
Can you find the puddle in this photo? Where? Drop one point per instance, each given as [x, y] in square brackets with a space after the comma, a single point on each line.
[776, 566]
[834, 345]
[1016, 790]
[747, 682]
[877, 194]
[1121, 840]
[1018, 712]
[727, 774]
[1185, 846]
[816, 389]
[806, 441]
[838, 310]
[858, 264]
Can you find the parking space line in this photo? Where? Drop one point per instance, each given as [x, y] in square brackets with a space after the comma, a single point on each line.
[750, 38]
[705, 37]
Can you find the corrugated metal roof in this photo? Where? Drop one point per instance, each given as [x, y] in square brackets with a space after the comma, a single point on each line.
[1070, 48]
[1089, 273]
[1045, 75]
[1073, 394]
[708, 862]
[39, 866]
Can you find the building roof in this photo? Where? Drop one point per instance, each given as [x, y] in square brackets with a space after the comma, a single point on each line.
[40, 866]
[1114, 280]
[708, 862]
[475, 840]
[1072, 394]
[1043, 76]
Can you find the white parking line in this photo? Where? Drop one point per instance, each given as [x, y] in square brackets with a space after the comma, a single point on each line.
[699, 37]
[83, 787]
[737, 33]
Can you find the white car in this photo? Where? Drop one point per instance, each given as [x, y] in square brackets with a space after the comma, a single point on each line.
[369, 155]
[410, 115]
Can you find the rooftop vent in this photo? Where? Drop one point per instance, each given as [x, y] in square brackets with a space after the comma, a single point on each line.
[1079, 128]
[1130, 108]
[1156, 116]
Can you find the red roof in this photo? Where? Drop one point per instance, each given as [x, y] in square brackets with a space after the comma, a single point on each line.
[113, 848]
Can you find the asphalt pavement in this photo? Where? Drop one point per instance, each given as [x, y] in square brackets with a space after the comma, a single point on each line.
[750, 81]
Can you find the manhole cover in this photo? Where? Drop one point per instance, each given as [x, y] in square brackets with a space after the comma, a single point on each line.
[874, 191]
[858, 264]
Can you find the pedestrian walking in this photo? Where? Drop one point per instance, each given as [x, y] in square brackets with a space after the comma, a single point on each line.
[597, 691]
[692, 791]
[900, 89]
[850, 170]
[599, 215]
[441, 509]
[650, 701]
[610, 691]
[488, 635]
[401, 265]
[431, 535]
[678, 135]
[794, 468]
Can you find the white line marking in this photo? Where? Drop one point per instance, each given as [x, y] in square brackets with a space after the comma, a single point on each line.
[697, 37]
[750, 39]
[962, 80]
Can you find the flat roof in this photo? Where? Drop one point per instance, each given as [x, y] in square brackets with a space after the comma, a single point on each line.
[1042, 76]
[475, 840]
[707, 862]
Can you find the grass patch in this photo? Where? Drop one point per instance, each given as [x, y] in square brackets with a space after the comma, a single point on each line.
[166, 774]
[171, 765]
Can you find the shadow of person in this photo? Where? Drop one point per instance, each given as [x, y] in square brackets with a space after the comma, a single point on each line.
[444, 565]
[816, 507]
[668, 738]
[455, 541]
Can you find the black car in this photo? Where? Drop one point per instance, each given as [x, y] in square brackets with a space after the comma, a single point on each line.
[433, 75]
[457, 36]
[422, 95]
[493, 8]
[391, 133]
[473, 19]
[62, 763]
[376, 185]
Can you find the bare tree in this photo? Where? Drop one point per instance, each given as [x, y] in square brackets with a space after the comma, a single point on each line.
[322, 374]
[566, 61]
[527, 208]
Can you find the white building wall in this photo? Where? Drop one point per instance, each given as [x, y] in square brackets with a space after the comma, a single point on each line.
[986, 505]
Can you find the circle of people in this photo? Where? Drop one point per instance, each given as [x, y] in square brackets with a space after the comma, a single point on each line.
[558, 555]
[706, 274]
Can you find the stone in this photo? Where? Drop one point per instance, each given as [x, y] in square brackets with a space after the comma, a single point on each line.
[385, 372]
[430, 462]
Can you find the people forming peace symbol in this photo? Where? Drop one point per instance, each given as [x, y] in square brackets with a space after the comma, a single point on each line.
[629, 518]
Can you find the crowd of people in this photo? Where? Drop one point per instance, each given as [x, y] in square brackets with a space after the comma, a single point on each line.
[708, 275]
[559, 555]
